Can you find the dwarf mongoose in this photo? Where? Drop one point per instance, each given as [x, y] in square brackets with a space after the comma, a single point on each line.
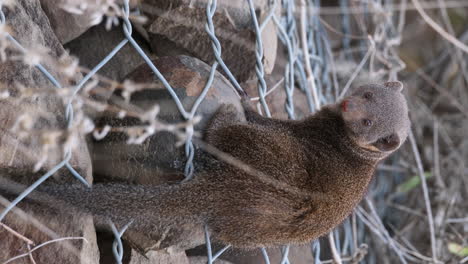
[294, 180]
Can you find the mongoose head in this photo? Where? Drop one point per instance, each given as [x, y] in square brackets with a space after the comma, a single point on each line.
[377, 116]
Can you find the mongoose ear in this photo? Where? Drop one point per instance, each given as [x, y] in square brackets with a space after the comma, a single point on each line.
[396, 85]
[388, 143]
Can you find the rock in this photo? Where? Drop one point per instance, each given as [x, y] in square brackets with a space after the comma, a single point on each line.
[43, 224]
[94, 45]
[30, 26]
[158, 160]
[24, 153]
[270, 42]
[131, 256]
[67, 26]
[182, 25]
[185, 27]
[170, 239]
[298, 254]
[204, 260]
[32, 29]
[237, 11]
[276, 99]
[154, 257]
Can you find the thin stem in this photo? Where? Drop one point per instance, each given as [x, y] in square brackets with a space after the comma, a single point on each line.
[438, 28]
[426, 195]
[305, 53]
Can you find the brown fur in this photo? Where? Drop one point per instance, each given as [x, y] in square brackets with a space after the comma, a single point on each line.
[298, 179]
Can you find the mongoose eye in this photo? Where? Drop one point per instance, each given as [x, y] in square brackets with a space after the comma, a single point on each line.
[368, 95]
[367, 122]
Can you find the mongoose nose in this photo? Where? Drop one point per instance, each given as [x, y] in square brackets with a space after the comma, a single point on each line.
[350, 105]
[344, 106]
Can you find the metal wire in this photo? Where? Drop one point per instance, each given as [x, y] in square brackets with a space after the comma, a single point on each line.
[265, 256]
[67, 156]
[259, 69]
[285, 252]
[320, 58]
[117, 245]
[316, 250]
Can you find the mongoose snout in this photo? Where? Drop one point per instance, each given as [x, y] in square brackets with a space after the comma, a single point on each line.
[377, 114]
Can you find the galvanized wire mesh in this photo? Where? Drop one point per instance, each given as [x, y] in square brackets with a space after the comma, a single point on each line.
[310, 69]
